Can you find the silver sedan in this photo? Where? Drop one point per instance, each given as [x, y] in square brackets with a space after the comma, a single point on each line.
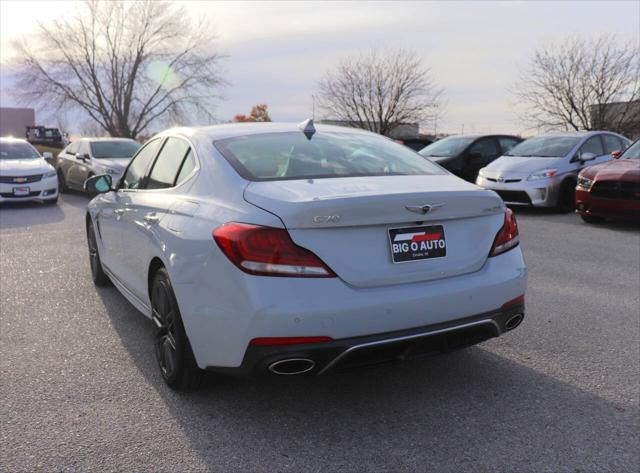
[543, 171]
[87, 157]
[273, 248]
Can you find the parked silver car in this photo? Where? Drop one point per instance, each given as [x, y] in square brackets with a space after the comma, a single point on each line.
[285, 249]
[542, 171]
[91, 156]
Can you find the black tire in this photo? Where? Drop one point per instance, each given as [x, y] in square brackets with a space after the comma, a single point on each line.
[90, 194]
[592, 218]
[172, 348]
[97, 273]
[567, 197]
[62, 184]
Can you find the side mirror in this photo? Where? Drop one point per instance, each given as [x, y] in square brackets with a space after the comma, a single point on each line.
[587, 156]
[82, 157]
[616, 154]
[99, 184]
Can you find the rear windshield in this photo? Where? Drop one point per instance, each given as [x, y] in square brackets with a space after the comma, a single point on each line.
[447, 147]
[633, 152]
[290, 155]
[17, 150]
[544, 147]
[114, 149]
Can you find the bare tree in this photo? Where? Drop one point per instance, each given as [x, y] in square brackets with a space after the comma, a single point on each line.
[125, 64]
[568, 85]
[379, 91]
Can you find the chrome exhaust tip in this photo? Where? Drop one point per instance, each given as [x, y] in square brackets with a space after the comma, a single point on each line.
[513, 321]
[292, 366]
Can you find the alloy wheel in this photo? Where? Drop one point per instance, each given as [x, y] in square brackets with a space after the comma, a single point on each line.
[165, 318]
[94, 259]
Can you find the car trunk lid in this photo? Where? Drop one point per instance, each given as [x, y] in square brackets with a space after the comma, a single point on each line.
[346, 222]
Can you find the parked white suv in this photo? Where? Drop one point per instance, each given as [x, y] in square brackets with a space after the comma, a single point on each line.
[24, 173]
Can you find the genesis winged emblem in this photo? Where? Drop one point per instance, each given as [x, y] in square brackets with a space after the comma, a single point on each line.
[423, 209]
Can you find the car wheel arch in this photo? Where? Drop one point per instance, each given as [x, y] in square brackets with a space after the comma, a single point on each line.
[566, 193]
[154, 265]
[569, 181]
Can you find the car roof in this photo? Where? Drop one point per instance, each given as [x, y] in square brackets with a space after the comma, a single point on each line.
[576, 134]
[478, 135]
[105, 138]
[11, 139]
[230, 130]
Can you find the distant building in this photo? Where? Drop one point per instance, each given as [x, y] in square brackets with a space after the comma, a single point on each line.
[14, 121]
[404, 131]
[622, 117]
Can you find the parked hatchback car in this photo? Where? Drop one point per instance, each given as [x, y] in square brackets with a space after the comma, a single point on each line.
[24, 173]
[611, 189]
[543, 171]
[90, 156]
[273, 248]
[465, 155]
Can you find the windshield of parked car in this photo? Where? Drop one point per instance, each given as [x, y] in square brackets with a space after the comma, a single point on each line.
[447, 147]
[632, 152]
[114, 149]
[290, 155]
[17, 150]
[544, 147]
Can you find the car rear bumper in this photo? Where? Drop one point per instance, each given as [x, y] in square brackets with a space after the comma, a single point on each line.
[44, 189]
[356, 352]
[587, 204]
[222, 314]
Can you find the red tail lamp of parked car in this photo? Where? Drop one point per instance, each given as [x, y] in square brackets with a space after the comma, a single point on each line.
[507, 238]
[268, 251]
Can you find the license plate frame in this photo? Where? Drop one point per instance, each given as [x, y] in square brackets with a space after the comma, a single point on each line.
[21, 191]
[417, 243]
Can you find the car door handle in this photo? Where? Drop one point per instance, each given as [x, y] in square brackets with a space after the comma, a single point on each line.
[151, 218]
[118, 211]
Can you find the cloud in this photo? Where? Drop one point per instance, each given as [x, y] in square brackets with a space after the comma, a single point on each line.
[278, 50]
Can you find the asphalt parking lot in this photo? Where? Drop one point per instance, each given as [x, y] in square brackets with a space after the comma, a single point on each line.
[80, 390]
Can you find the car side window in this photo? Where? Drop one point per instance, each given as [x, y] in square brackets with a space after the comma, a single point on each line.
[167, 165]
[136, 172]
[83, 148]
[188, 165]
[611, 144]
[72, 148]
[592, 145]
[484, 148]
[507, 143]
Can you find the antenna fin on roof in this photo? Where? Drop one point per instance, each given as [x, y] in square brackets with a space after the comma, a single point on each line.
[307, 128]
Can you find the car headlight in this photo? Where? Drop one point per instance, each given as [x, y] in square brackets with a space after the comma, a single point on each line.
[543, 174]
[49, 174]
[584, 182]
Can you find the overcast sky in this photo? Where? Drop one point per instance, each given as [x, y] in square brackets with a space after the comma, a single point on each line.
[278, 50]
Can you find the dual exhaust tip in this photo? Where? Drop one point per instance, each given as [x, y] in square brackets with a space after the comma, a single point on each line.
[513, 321]
[292, 366]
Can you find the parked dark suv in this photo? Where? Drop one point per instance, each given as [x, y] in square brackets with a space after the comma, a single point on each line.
[465, 155]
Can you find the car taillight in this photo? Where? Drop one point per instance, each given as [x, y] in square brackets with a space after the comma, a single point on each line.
[507, 238]
[267, 251]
